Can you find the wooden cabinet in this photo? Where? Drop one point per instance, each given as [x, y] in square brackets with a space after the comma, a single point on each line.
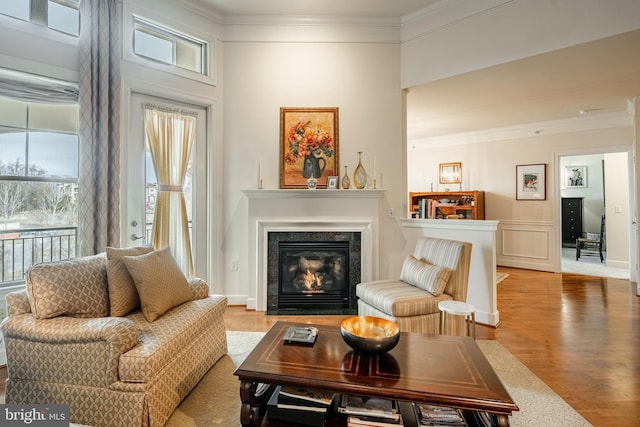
[465, 204]
[572, 208]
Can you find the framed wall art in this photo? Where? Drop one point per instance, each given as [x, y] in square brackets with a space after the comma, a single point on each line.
[575, 176]
[531, 182]
[450, 173]
[308, 146]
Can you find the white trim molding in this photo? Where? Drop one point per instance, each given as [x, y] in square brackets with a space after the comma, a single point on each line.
[527, 244]
[308, 210]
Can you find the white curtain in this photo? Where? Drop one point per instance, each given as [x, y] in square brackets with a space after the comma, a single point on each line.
[170, 136]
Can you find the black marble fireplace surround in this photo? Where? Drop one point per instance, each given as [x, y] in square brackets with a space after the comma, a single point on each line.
[310, 301]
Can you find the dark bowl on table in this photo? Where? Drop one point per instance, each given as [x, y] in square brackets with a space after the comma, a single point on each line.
[370, 334]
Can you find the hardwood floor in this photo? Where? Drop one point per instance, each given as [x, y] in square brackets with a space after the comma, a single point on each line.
[579, 334]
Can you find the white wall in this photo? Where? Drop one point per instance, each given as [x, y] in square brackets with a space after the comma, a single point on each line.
[360, 69]
[528, 231]
[618, 209]
[459, 37]
[361, 79]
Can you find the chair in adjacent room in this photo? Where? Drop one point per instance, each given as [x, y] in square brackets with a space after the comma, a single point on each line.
[592, 243]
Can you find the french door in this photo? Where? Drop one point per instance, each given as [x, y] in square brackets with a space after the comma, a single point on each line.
[141, 183]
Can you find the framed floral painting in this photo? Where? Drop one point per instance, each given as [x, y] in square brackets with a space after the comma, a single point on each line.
[308, 146]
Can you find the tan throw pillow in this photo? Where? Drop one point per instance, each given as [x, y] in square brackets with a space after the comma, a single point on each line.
[75, 287]
[423, 275]
[123, 296]
[160, 283]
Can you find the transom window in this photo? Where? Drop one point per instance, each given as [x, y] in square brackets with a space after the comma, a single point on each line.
[163, 44]
[59, 15]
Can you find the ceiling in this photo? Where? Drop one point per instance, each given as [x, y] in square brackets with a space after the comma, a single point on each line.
[595, 78]
[370, 8]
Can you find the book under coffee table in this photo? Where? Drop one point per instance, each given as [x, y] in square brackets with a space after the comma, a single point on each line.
[438, 369]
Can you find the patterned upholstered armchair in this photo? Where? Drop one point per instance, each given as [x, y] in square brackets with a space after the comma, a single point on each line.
[78, 336]
[437, 271]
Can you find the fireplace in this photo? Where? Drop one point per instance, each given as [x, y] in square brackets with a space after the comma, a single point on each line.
[313, 272]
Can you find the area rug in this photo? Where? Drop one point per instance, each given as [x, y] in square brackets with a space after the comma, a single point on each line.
[216, 400]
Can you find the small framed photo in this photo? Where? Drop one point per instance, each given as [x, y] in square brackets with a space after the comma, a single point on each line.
[332, 183]
[575, 177]
[531, 182]
[450, 173]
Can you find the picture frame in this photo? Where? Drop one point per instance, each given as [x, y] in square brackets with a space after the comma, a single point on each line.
[332, 182]
[450, 173]
[575, 177]
[309, 145]
[531, 182]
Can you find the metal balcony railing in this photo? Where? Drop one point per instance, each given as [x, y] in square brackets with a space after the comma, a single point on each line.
[28, 246]
[22, 248]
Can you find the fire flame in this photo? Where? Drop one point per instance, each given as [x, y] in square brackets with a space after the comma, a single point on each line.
[311, 280]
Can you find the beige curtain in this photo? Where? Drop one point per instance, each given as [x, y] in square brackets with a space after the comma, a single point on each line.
[170, 136]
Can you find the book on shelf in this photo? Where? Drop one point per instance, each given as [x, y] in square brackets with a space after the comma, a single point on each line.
[364, 421]
[299, 416]
[369, 407]
[436, 415]
[427, 208]
[305, 396]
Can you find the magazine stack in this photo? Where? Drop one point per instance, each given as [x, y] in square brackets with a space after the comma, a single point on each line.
[370, 411]
[301, 405]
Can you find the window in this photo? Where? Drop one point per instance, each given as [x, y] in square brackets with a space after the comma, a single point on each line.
[163, 44]
[59, 15]
[16, 8]
[64, 16]
[38, 184]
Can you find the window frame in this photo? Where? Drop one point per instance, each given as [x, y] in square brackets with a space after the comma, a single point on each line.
[39, 15]
[131, 15]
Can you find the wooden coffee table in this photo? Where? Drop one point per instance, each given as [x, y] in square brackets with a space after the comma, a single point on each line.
[443, 370]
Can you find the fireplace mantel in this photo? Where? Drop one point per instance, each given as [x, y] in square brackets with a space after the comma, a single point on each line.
[314, 194]
[309, 210]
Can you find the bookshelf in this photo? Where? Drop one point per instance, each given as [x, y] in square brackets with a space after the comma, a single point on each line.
[464, 204]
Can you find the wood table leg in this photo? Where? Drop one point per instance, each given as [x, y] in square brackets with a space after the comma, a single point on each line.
[254, 397]
[503, 420]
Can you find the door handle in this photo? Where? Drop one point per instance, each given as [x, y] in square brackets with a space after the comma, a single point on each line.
[134, 237]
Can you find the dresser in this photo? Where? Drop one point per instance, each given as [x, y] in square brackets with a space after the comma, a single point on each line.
[572, 208]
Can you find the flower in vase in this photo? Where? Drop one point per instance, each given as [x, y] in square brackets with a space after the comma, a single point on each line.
[305, 140]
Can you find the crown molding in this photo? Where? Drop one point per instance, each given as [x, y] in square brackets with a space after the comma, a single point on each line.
[529, 130]
[444, 14]
[201, 11]
[312, 29]
[322, 20]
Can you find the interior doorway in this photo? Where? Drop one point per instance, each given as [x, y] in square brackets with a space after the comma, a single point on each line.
[596, 185]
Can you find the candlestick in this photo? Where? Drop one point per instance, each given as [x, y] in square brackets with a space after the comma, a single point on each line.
[374, 167]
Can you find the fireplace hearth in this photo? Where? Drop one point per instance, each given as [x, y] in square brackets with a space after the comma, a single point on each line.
[313, 272]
